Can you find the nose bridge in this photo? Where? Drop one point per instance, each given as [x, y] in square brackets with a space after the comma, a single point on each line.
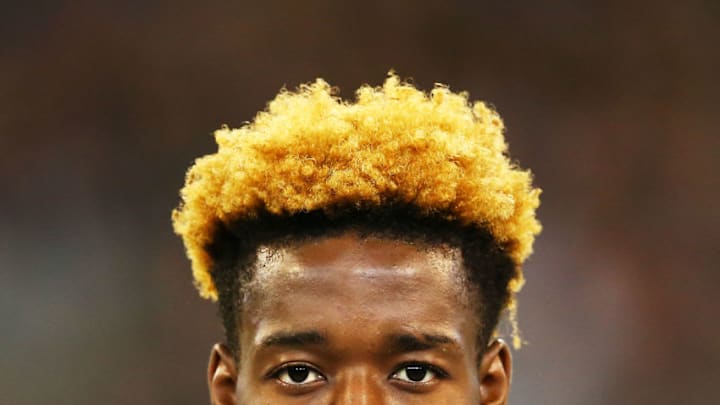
[358, 386]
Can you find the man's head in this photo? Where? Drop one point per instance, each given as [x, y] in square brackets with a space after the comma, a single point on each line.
[360, 250]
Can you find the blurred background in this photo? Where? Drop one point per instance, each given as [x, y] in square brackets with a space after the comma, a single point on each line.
[103, 105]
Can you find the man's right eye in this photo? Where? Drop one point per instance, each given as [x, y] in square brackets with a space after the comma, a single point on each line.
[298, 374]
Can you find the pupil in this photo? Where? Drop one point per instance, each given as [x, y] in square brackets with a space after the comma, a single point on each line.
[298, 373]
[415, 373]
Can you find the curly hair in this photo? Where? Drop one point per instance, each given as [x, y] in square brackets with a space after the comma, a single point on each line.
[310, 152]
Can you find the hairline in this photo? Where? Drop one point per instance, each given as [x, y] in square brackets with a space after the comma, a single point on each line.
[419, 231]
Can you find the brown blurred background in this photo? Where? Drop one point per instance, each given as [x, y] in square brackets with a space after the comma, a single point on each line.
[103, 106]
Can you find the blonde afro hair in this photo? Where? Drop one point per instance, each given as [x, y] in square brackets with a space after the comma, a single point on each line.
[310, 150]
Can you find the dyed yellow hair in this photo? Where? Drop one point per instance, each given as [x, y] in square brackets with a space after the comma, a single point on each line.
[312, 151]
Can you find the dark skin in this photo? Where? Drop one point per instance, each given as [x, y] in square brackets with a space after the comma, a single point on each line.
[345, 320]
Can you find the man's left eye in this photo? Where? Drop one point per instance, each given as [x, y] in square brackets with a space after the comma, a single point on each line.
[416, 373]
[299, 375]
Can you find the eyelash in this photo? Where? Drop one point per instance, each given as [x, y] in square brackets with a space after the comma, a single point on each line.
[279, 370]
[439, 373]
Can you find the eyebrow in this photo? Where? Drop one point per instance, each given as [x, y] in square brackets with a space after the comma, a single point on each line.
[301, 338]
[396, 343]
[412, 343]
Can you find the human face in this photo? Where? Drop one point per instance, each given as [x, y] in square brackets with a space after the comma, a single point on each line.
[345, 320]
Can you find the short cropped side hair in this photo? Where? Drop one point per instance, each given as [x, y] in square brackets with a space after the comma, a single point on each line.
[394, 146]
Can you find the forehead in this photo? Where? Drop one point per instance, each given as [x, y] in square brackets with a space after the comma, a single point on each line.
[377, 286]
[351, 257]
